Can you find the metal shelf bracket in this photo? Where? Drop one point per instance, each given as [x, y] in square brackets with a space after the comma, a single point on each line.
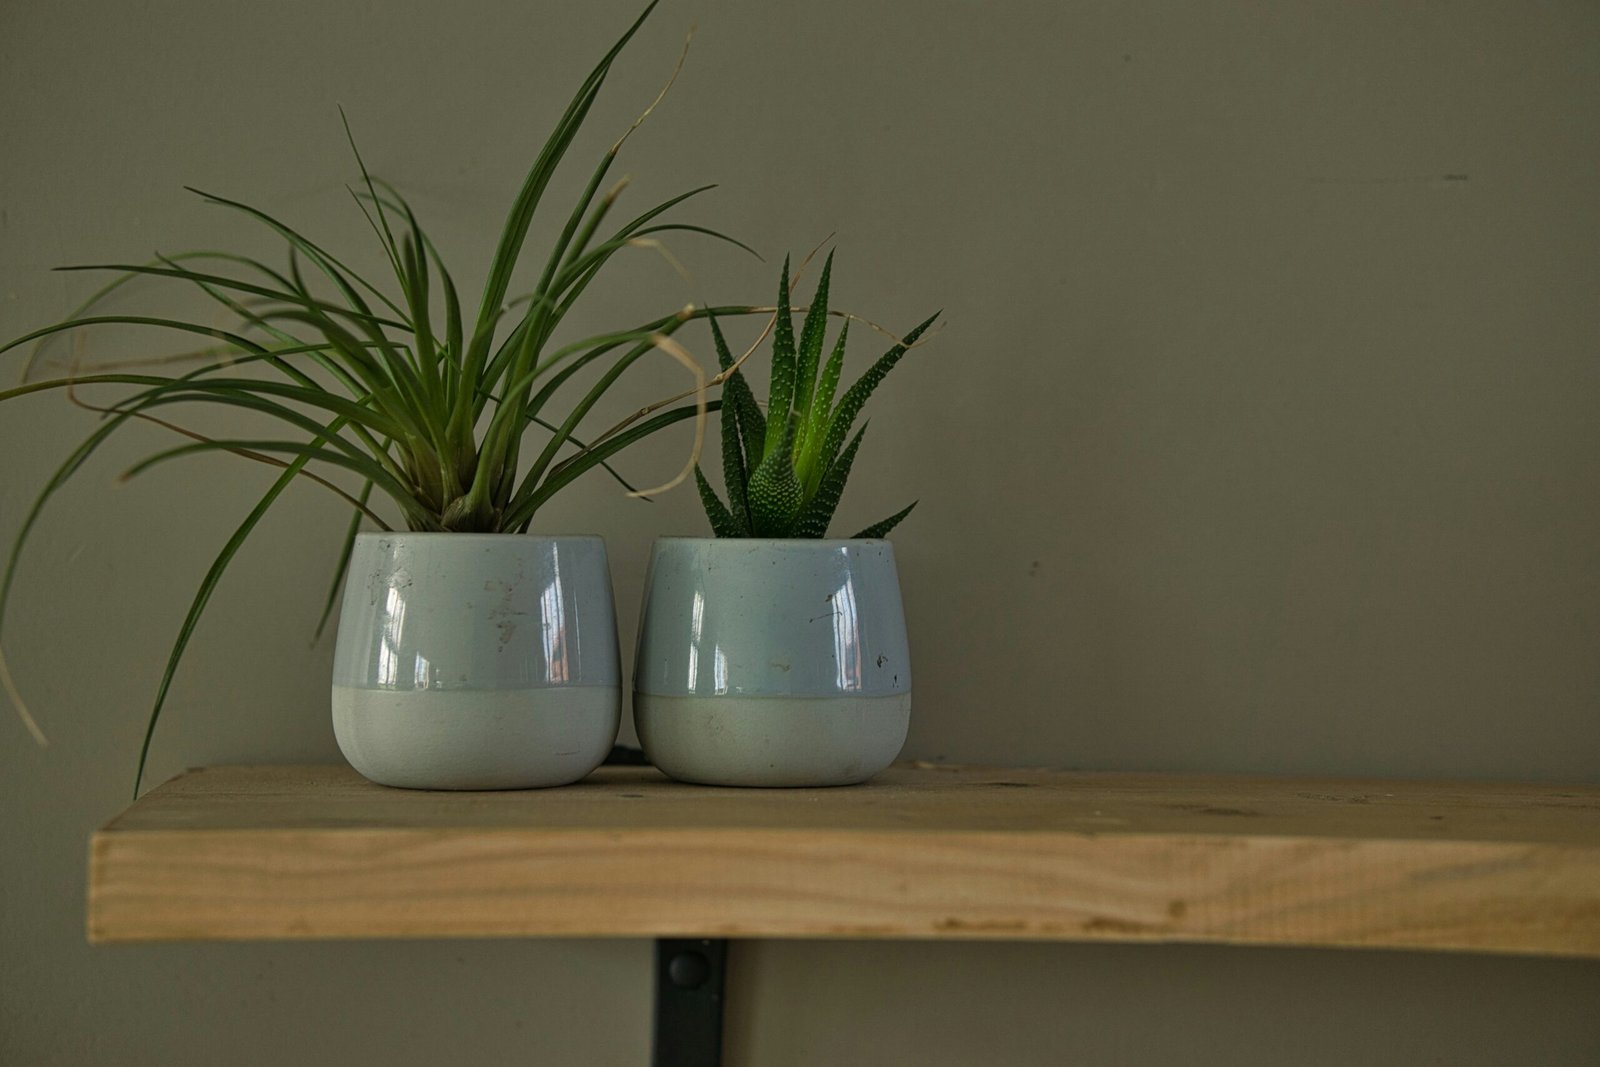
[691, 977]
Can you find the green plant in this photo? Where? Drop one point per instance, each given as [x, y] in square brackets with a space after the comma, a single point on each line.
[422, 403]
[786, 470]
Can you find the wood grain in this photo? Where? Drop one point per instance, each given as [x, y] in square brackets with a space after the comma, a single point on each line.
[317, 852]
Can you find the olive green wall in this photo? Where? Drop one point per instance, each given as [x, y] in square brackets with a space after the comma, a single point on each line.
[1262, 437]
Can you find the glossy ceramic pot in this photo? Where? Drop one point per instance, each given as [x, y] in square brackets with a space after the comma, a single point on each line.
[772, 662]
[476, 661]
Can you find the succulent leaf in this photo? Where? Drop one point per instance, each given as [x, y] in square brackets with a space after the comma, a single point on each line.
[812, 334]
[734, 477]
[780, 397]
[748, 428]
[881, 529]
[818, 511]
[774, 494]
[809, 471]
[844, 416]
[722, 521]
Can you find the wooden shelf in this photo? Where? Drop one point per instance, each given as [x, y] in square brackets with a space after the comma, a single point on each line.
[922, 852]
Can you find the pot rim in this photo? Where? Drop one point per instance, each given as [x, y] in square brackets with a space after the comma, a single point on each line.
[428, 535]
[784, 542]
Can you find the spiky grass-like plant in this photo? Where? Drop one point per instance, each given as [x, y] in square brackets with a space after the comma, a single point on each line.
[423, 401]
[785, 470]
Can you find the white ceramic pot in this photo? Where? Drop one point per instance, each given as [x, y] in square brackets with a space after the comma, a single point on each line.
[772, 662]
[476, 661]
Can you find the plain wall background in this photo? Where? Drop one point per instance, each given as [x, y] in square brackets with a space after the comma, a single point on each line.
[1262, 437]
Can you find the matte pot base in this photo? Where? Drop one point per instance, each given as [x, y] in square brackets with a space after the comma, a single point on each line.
[476, 738]
[774, 740]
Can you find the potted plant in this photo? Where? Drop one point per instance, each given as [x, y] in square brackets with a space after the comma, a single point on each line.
[470, 655]
[770, 654]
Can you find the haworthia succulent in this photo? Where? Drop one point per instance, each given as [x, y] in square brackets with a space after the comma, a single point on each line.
[789, 468]
[774, 493]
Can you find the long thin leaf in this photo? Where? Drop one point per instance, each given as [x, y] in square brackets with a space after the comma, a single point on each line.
[591, 458]
[607, 467]
[224, 390]
[238, 340]
[203, 596]
[118, 282]
[385, 233]
[245, 453]
[582, 408]
[336, 271]
[508, 251]
[503, 442]
[242, 286]
[346, 547]
[503, 357]
[315, 311]
[70, 466]
[577, 361]
[251, 402]
[361, 466]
